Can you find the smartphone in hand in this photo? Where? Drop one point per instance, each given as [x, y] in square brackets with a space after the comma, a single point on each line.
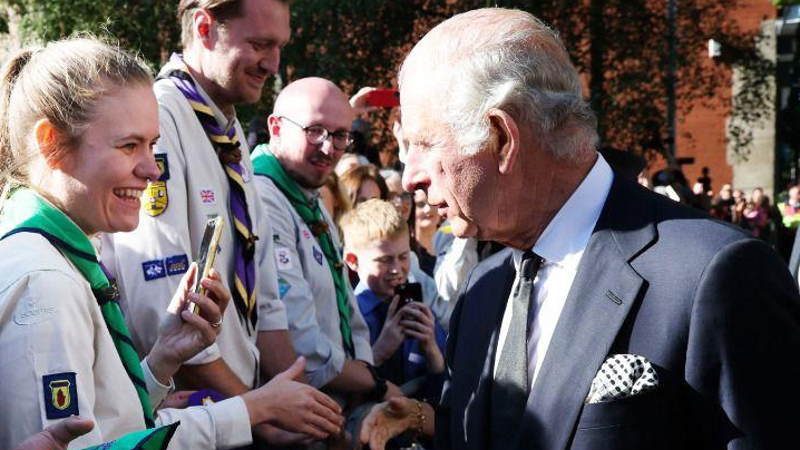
[408, 292]
[206, 255]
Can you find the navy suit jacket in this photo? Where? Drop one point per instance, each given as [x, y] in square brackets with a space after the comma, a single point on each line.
[714, 310]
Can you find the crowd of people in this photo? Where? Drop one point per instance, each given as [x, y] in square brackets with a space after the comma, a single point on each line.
[482, 287]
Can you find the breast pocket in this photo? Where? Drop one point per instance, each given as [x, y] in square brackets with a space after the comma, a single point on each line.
[637, 422]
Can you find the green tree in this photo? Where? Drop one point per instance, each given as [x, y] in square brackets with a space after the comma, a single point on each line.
[621, 46]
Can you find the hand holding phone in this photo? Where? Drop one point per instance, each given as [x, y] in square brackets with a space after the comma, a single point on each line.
[206, 256]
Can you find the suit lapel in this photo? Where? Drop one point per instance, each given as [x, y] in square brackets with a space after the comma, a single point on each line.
[477, 346]
[601, 295]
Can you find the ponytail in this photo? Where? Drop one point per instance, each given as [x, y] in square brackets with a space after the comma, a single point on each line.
[9, 167]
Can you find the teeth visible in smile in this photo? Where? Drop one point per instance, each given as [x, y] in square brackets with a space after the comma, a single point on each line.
[128, 193]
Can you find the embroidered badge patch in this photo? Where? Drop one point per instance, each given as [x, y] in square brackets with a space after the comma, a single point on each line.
[163, 166]
[153, 270]
[208, 197]
[318, 255]
[177, 264]
[60, 395]
[155, 200]
[284, 287]
[283, 258]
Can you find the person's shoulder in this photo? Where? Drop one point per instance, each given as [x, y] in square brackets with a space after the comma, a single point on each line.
[492, 266]
[41, 266]
[675, 223]
[271, 196]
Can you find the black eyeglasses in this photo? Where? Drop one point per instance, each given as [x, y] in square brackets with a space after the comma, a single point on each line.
[317, 134]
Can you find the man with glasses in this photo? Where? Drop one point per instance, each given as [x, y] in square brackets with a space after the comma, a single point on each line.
[310, 131]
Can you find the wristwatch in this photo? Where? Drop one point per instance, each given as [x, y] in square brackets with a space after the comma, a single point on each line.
[377, 392]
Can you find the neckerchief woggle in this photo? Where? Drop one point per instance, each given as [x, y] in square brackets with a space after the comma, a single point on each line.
[267, 165]
[27, 212]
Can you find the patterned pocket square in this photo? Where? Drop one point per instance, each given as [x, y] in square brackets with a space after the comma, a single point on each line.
[621, 376]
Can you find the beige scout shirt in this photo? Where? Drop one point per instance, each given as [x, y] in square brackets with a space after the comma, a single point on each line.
[144, 260]
[308, 291]
[50, 323]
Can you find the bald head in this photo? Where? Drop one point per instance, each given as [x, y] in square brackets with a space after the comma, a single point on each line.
[312, 95]
[305, 103]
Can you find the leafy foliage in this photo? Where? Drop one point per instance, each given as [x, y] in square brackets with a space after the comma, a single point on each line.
[621, 46]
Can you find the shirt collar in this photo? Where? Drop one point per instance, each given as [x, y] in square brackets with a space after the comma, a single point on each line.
[367, 300]
[567, 234]
[222, 119]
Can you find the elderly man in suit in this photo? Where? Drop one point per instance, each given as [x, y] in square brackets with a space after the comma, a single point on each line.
[616, 319]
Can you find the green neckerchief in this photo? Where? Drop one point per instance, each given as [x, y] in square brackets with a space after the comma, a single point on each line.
[152, 439]
[27, 212]
[309, 210]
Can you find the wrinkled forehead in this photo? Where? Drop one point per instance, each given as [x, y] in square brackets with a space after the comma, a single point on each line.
[423, 92]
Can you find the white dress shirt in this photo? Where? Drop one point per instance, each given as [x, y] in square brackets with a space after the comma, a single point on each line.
[561, 247]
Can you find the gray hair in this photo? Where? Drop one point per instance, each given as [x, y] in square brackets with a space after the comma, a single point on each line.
[510, 60]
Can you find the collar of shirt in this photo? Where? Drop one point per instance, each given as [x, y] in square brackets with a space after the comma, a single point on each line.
[226, 122]
[367, 300]
[565, 238]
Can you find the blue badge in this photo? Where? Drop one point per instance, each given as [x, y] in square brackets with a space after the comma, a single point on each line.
[163, 165]
[177, 264]
[318, 255]
[284, 286]
[60, 395]
[153, 270]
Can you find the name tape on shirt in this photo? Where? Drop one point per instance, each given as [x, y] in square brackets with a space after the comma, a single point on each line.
[60, 395]
[154, 270]
[177, 264]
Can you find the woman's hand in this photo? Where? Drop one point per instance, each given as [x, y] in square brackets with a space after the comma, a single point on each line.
[391, 336]
[293, 406]
[182, 333]
[419, 323]
[387, 420]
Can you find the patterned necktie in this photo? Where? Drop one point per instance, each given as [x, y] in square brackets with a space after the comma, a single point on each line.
[511, 385]
[226, 144]
[28, 213]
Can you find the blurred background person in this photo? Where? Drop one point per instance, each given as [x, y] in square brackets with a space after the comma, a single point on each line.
[333, 198]
[757, 214]
[362, 183]
[426, 222]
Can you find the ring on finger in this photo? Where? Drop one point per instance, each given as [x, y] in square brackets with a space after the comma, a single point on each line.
[217, 323]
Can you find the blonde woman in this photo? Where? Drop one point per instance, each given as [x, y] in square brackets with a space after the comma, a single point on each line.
[78, 122]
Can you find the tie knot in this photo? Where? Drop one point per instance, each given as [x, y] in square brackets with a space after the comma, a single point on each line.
[529, 265]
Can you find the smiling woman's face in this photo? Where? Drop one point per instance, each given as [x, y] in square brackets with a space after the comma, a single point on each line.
[104, 177]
